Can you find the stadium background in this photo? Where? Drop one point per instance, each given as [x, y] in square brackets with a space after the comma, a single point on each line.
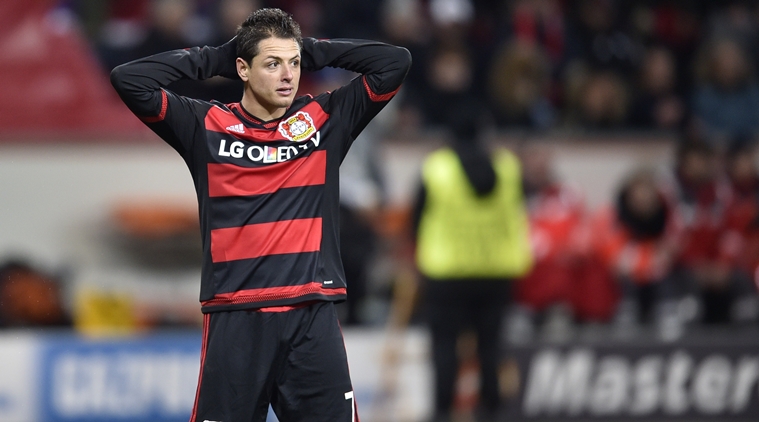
[97, 215]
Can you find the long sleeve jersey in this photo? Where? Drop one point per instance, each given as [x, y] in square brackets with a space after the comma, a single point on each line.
[267, 191]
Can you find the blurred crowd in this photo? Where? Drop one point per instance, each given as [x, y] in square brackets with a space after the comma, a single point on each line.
[540, 64]
[673, 248]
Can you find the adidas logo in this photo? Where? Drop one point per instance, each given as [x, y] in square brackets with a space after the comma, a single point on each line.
[239, 128]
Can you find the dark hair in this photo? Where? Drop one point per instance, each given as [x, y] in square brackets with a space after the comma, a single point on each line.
[262, 24]
[642, 227]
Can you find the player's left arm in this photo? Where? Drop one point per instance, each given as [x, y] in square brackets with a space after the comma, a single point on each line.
[382, 68]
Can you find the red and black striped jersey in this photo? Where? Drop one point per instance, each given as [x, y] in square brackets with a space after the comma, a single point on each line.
[267, 191]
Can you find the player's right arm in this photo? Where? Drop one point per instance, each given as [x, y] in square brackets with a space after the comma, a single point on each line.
[141, 85]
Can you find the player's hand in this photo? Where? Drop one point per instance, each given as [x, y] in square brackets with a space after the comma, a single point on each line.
[227, 57]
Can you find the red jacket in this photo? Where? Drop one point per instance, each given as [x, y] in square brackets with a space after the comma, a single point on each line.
[556, 215]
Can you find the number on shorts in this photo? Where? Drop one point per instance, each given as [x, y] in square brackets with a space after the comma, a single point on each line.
[349, 396]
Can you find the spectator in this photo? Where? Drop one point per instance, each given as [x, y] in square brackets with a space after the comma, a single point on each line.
[472, 238]
[736, 21]
[520, 86]
[726, 102]
[556, 212]
[172, 26]
[674, 25]
[122, 31]
[742, 214]
[701, 196]
[541, 23]
[740, 241]
[637, 241]
[451, 20]
[404, 23]
[534, 53]
[450, 82]
[229, 15]
[599, 38]
[657, 104]
[597, 100]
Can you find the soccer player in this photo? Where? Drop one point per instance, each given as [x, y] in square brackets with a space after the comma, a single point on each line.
[266, 175]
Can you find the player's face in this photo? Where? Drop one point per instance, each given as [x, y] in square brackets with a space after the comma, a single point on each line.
[272, 77]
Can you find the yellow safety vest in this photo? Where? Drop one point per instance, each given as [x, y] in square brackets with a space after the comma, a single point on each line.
[462, 235]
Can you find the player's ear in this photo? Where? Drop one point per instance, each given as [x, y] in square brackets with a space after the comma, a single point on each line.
[242, 69]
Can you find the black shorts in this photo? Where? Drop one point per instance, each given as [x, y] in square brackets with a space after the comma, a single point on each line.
[293, 360]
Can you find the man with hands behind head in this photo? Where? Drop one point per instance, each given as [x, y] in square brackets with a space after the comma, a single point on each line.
[266, 175]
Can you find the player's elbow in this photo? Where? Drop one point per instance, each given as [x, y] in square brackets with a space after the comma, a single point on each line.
[403, 58]
[117, 78]
[398, 65]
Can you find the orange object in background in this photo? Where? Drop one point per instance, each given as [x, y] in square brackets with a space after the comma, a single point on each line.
[29, 298]
[156, 219]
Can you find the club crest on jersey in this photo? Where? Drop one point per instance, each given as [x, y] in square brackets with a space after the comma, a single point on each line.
[298, 127]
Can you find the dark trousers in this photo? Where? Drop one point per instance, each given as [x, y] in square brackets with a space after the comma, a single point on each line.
[646, 297]
[717, 302]
[293, 360]
[452, 307]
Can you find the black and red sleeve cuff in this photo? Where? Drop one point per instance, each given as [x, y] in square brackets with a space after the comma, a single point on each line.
[378, 97]
[162, 114]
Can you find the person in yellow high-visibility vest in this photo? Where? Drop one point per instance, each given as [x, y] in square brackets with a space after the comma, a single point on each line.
[472, 239]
